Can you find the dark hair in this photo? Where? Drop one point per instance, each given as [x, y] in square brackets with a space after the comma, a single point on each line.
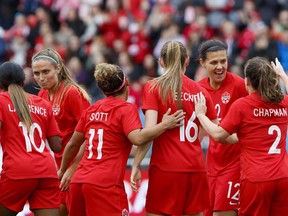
[110, 78]
[11, 73]
[264, 79]
[12, 79]
[210, 46]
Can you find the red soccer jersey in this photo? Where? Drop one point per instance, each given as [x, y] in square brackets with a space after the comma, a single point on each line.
[178, 149]
[261, 128]
[24, 152]
[224, 158]
[106, 125]
[67, 114]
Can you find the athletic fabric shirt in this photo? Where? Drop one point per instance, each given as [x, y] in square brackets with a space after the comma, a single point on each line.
[24, 152]
[178, 149]
[106, 125]
[261, 128]
[67, 113]
[221, 158]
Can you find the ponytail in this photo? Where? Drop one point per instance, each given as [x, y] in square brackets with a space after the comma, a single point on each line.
[173, 56]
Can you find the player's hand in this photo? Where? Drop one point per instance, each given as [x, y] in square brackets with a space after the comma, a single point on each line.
[174, 120]
[66, 179]
[60, 174]
[200, 104]
[135, 178]
[278, 68]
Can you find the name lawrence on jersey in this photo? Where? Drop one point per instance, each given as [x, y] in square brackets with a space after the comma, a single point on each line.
[260, 112]
[33, 109]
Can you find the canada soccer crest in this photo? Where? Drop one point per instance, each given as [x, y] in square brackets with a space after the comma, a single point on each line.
[225, 97]
[55, 109]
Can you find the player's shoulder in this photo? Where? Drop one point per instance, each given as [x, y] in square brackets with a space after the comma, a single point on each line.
[72, 91]
[234, 77]
[204, 81]
[42, 93]
[190, 82]
[4, 94]
[285, 99]
[36, 99]
[111, 103]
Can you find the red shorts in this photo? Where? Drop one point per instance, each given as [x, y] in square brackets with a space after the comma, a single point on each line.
[224, 192]
[91, 200]
[64, 198]
[176, 193]
[40, 193]
[268, 198]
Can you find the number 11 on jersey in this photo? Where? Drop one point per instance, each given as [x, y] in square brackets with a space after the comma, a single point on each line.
[100, 133]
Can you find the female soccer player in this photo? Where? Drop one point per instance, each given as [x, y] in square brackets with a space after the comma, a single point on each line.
[223, 161]
[110, 127]
[68, 101]
[260, 121]
[177, 173]
[29, 171]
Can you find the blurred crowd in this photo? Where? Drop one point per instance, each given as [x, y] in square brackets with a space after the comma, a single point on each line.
[130, 33]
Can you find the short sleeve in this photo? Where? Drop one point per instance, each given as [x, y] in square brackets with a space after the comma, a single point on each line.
[131, 119]
[211, 113]
[53, 129]
[76, 102]
[150, 99]
[233, 118]
[80, 127]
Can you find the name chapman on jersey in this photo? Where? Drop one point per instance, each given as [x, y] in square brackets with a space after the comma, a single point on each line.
[261, 112]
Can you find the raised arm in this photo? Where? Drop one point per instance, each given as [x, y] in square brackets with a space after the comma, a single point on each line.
[280, 72]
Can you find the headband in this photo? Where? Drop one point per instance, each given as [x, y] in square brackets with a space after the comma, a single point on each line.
[216, 48]
[43, 56]
[120, 87]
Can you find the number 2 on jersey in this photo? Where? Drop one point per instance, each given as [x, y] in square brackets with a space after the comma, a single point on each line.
[273, 149]
[100, 133]
[218, 110]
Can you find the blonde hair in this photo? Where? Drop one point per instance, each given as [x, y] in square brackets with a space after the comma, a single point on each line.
[64, 75]
[174, 55]
[19, 100]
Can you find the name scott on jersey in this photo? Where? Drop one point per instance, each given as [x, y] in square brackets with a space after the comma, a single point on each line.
[99, 116]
